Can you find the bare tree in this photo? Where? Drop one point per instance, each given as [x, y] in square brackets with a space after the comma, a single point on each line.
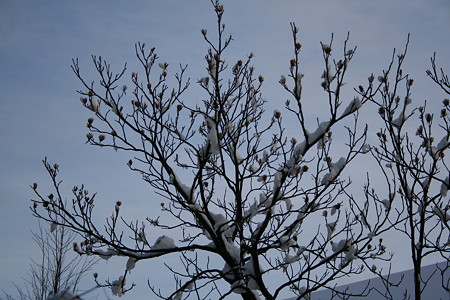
[248, 203]
[411, 155]
[58, 269]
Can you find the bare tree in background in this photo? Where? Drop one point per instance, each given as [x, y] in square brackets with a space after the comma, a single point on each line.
[413, 143]
[248, 202]
[58, 269]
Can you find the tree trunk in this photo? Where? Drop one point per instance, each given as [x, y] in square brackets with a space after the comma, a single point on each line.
[417, 279]
[248, 296]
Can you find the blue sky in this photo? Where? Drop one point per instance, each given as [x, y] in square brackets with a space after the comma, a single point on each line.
[40, 114]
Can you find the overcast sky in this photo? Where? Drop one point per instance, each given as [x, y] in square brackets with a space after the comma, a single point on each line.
[40, 111]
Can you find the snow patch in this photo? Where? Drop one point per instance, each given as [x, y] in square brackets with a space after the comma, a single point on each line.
[174, 179]
[353, 106]
[131, 263]
[277, 181]
[212, 136]
[335, 168]
[398, 122]
[53, 226]
[95, 105]
[65, 295]
[337, 247]
[319, 132]
[249, 271]
[117, 286]
[442, 214]
[219, 222]
[105, 254]
[163, 242]
[445, 186]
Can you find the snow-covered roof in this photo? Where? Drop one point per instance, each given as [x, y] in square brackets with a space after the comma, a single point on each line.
[433, 289]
